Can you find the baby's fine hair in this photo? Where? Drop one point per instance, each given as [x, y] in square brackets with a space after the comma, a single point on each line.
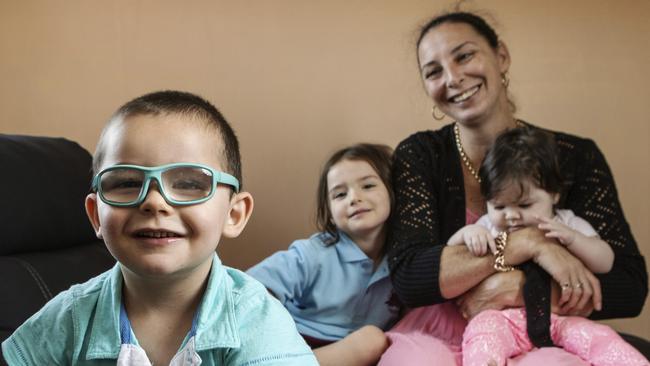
[380, 159]
[181, 103]
[518, 155]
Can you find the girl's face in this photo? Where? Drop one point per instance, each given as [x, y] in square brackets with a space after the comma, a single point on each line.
[358, 199]
[520, 205]
[462, 72]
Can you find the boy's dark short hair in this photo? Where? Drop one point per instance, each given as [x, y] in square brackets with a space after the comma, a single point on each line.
[380, 159]
[518, 155]
[185, 104]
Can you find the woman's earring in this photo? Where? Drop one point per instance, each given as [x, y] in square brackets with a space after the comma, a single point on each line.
[505, 80]
[437, 117]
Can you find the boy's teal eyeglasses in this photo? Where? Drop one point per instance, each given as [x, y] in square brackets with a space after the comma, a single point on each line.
[180, 184]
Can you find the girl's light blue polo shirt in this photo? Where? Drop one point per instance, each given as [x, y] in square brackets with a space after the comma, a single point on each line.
[238, 323]
[329, 290]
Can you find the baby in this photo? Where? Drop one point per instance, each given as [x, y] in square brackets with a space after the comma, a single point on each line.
[521, 182]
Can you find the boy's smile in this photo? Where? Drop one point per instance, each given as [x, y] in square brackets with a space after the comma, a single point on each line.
[156, 238]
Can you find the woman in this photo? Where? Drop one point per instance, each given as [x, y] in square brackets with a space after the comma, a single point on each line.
[464, 68]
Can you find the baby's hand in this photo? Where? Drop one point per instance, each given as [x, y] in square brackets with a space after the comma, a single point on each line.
[478, 239]
[557, 230]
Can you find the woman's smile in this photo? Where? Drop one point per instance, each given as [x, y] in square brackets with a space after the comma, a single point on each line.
[459, 98]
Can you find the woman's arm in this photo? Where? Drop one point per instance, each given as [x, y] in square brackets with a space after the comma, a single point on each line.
[460, 270]
[424, 271]
[503, 290]
[594, 252]
[578, 284]
[593, 196]
[428, 209]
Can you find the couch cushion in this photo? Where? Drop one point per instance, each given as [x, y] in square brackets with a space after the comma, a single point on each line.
[30, 280]
[42, 190]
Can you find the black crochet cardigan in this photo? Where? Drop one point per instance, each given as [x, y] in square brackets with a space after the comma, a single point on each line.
[430, 207]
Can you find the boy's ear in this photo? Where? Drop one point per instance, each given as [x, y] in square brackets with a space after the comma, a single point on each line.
[241, 208]
[93, 215]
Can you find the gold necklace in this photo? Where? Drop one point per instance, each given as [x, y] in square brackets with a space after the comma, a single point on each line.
[464, 157]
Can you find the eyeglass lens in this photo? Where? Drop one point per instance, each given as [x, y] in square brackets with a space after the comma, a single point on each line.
[181, 184]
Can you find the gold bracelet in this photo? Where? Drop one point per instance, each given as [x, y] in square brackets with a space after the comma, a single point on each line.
[499, 257]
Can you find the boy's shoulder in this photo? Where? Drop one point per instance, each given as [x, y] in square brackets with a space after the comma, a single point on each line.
[242, 285]
[255, 326]
[76, 299]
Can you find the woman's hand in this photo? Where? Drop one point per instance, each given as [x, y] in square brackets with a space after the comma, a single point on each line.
[578, 285]
[499, 291]
[556, 309]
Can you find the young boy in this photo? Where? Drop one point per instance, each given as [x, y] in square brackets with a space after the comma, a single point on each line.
[161, 201]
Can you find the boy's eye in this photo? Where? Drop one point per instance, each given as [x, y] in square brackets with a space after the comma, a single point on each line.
[188, 185]
[338, 195]
[112, 184]
[525, 205]
[499, 207]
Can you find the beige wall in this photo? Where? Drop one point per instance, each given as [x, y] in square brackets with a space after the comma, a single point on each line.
[299, 79]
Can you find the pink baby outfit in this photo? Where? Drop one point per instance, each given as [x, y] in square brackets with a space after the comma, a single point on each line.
[433, 335]
[498, 335]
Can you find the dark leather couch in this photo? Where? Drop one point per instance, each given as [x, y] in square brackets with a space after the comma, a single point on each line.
[47, 243]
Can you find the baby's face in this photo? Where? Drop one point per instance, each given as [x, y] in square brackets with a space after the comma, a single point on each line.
[519, 206]
[156, 238]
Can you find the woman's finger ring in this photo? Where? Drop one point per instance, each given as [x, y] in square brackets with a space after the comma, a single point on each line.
[565, 286]
[578, 285]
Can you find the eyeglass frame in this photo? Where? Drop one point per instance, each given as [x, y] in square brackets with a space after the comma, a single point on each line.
[155, 172]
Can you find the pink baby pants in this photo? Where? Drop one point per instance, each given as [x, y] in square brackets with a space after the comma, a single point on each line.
[498, 335]
[433, 335]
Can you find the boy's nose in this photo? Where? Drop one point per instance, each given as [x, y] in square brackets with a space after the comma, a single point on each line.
[154, 200]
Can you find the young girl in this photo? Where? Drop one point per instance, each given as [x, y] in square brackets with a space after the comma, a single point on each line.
[335, 284]
[521, 182]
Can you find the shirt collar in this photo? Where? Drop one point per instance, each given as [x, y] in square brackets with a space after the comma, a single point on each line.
[104, 339]
[216, 326]
[348, 250]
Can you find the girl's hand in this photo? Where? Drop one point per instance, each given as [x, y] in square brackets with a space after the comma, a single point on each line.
[557, 230]
[478, 239]
[499, 291]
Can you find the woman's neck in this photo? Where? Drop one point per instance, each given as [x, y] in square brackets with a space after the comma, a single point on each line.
[478, 135]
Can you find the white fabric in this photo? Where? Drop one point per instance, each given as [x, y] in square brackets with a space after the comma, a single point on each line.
[133, 355]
